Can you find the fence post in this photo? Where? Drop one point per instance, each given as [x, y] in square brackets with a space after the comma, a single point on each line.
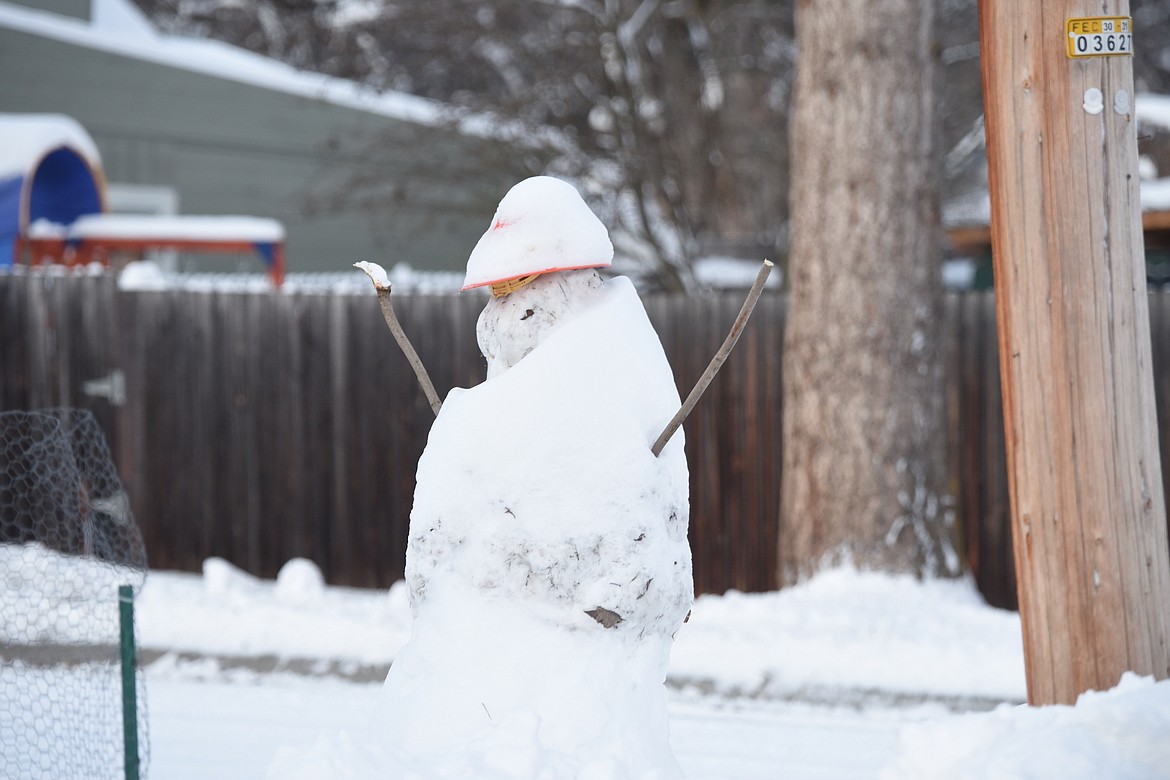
[1088, 512]
[129, 681]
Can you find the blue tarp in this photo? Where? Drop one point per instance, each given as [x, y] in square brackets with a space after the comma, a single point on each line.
[10, 190]
[61, 188]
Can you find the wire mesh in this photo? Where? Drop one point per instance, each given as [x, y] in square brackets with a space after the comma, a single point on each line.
[67, 541]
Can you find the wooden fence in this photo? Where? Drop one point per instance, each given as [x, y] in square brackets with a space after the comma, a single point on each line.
[260, 427]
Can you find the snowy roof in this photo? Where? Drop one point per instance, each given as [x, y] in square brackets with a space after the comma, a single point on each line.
[26, 138]
[120, 28]
[171, 228]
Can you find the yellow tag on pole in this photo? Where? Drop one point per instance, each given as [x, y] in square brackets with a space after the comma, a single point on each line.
[1099, 36]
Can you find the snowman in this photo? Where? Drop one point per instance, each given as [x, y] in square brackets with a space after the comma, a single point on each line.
[548, 565]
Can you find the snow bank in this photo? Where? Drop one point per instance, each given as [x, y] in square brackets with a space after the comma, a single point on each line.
[842, 631]
[228, 612]
[1122, 733]
[849, 630]
[54, 598]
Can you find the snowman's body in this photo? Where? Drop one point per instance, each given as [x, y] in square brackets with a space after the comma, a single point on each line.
[548, 563]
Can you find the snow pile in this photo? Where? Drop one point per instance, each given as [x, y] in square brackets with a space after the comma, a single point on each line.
[55, 598]
[839, 632]
[1122, 733]
[842, 631]
[300, 582]
[145, 275]
[228, 612]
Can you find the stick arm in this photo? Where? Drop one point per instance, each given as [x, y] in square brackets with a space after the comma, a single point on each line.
[716, 362]
[381, 282]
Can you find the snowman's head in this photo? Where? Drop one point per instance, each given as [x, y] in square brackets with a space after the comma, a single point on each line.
[541, 225]
[513, 325]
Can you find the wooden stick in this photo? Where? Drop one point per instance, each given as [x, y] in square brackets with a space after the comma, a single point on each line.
[381, 282]
[717, 361]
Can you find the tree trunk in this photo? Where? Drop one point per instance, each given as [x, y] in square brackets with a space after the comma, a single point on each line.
[864, 446]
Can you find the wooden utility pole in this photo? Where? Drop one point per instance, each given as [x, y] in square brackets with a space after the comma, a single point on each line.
[1088, 512]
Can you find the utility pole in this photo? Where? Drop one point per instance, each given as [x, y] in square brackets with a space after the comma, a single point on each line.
[1088, 511]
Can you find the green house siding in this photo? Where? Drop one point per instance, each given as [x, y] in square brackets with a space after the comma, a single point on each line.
[347, 184]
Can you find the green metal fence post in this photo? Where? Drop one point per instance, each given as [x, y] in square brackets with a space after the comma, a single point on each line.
[129, 680]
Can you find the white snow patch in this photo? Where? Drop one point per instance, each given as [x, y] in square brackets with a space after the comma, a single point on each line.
[841, 630]
[376, 273]
[227, 612]
[1122, 733]
[1156, 195]
[147, 276]
[1152, 109]
[300, 583]
[351, 12]
[733, 272]
[1147, 168]
[155, 227]
[208, 721]
[958, 273]
[26, 138]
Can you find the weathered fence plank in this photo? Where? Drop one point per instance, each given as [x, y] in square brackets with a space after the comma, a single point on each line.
[261, 427]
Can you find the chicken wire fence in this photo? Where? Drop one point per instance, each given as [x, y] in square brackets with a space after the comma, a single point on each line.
[68, 542]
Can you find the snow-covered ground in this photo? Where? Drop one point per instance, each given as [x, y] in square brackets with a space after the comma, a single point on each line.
[852, 675]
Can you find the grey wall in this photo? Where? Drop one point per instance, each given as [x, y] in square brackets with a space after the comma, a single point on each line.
[78, 9]
[347, 184]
